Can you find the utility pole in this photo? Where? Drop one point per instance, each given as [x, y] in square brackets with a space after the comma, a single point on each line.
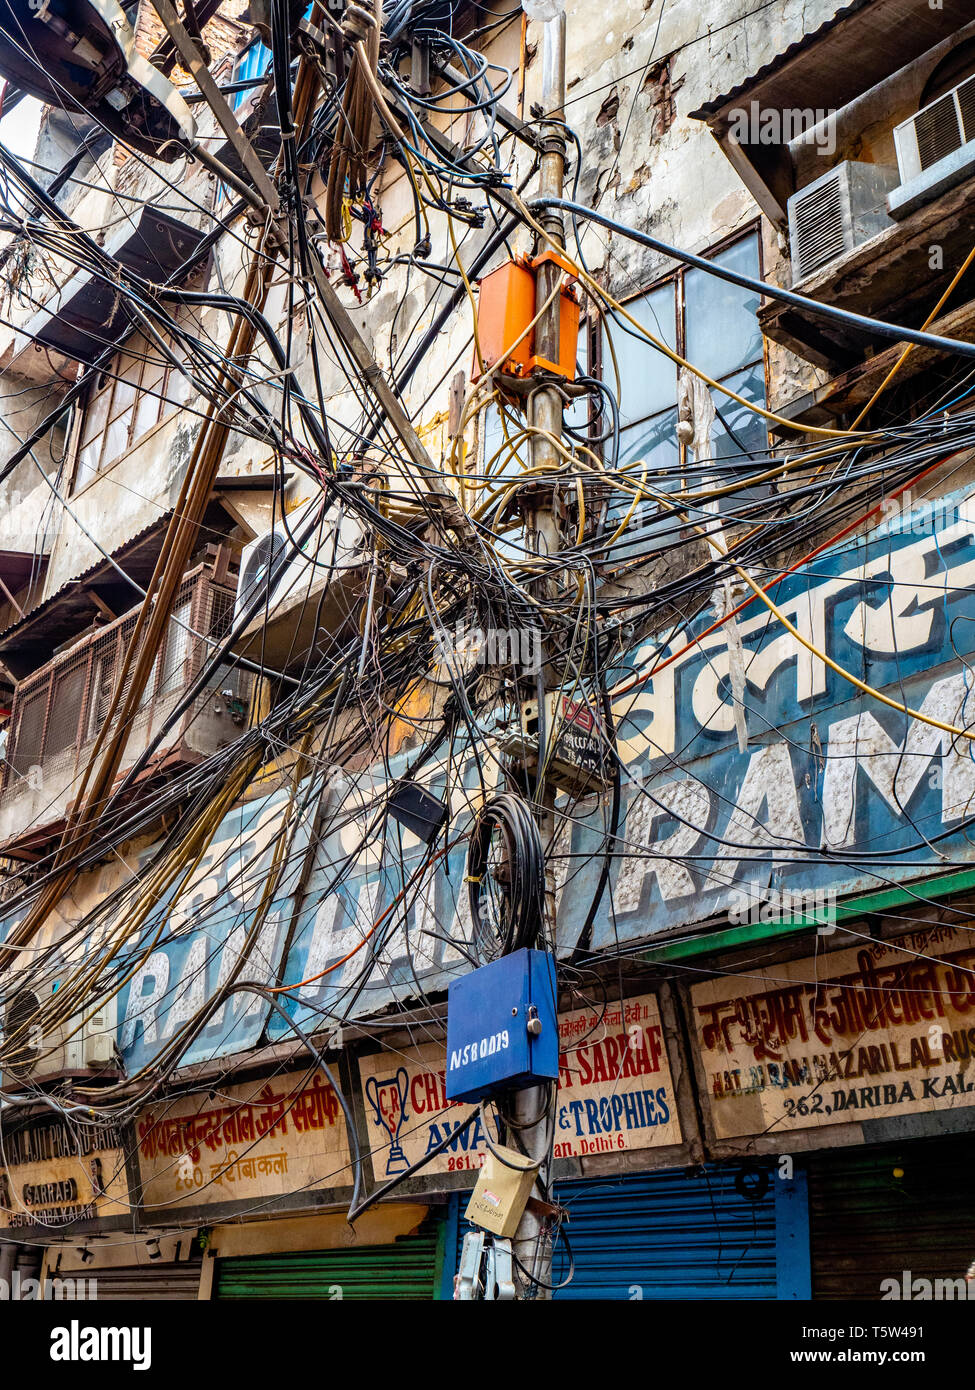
[532, 1245]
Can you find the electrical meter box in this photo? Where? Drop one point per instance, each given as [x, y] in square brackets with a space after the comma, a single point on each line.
[501, 1194]
[502, 1031]
[577, 758]
[505, 309]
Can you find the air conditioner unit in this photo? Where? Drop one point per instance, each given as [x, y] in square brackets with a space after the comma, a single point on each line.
[314, 597]
[66, 1049]
[935, 149]
[836, 213]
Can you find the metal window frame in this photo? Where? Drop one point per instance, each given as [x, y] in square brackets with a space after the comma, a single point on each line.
[677, 277]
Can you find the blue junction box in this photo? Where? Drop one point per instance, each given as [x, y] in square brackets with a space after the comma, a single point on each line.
[502, 1027]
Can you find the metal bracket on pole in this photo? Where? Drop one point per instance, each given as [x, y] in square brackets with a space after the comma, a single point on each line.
[420, 68]
[469, 1285]
[486, 1269]
[501, 1285]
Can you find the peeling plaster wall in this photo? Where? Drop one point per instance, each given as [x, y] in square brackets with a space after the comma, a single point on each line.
[633, 75]
[630, 85]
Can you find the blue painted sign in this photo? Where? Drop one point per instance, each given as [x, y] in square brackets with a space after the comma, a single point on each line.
[204, 932]
[876, 796]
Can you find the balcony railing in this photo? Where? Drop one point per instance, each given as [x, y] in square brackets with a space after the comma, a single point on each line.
[59, 710]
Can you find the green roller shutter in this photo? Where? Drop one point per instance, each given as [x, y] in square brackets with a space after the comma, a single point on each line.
[876, 1213]
[406, 1269]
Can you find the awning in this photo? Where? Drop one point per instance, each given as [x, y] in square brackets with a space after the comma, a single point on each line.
[33, 640]
[87, 314]
[862, 45]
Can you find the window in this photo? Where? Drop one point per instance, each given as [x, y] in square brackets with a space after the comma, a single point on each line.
[713, 325]
[65, 703]
[177, 647]
[136, 391]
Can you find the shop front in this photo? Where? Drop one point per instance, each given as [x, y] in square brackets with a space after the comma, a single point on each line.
[851, 1070]
[644, 1218]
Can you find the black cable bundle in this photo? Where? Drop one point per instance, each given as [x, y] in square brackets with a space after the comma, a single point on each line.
[523, 885]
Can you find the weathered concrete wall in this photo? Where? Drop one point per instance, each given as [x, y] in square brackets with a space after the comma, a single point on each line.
[634, 74]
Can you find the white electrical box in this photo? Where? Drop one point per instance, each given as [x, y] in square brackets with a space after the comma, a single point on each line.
[316, 593]
[66, 1049]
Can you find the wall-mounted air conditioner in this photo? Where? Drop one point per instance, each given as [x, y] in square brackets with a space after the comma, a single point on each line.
[256, 561]
[62, 1050]
[312, 598]
[935, 149]
[836, 213]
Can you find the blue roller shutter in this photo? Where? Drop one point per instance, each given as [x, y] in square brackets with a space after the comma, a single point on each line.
[667, 1235]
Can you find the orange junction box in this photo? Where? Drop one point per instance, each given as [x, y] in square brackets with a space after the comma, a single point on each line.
[505, 307]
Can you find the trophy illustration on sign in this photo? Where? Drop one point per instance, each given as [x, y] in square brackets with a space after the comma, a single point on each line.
[388, 1100]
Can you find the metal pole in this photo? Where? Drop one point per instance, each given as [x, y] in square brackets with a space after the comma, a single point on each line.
[532, 1245]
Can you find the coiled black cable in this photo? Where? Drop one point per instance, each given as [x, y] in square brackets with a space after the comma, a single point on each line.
[521, 879]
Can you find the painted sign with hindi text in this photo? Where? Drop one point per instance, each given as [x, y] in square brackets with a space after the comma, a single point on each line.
[57, 1174]
[835, 793]
[881, 1030]
[263, 1139]
[615, 1093]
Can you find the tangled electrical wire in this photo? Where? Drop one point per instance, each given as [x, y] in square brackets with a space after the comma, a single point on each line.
[442, 550]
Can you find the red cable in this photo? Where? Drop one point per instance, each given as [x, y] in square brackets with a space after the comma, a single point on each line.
[634, 681]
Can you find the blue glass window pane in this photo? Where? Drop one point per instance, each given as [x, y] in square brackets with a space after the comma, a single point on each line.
[740, 433]
[653, 443]
[508, 464]
[739, 430]
[648, 378]
[722, 332]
